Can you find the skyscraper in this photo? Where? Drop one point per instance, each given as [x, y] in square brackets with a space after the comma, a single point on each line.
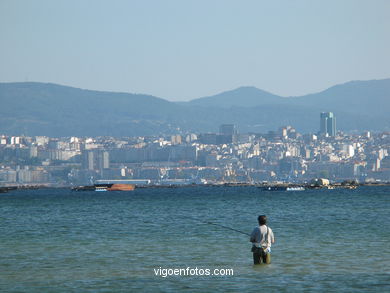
[227, 133]
[228, 129]
[327, 124]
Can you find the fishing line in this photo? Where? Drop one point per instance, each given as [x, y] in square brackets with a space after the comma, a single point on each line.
[219, 225]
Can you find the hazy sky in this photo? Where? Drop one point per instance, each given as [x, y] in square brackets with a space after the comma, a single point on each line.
[179, 50]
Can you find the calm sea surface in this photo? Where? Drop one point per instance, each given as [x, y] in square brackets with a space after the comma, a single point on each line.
[64, 241]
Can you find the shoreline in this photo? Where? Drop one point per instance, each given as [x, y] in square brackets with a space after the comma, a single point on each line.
[264, 186]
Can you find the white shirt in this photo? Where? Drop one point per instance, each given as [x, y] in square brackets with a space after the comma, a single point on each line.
[259, 237]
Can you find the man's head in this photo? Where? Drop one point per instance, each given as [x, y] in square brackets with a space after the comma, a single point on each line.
[262, 220]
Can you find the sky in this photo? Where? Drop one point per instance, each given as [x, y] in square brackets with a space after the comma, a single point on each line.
[180, 50]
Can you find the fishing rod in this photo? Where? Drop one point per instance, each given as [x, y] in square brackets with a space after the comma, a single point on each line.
[219, 225]
[226, 227]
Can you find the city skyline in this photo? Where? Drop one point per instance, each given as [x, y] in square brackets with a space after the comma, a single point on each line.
[282, 155]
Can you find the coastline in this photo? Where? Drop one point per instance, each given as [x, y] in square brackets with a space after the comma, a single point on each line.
[264, 186]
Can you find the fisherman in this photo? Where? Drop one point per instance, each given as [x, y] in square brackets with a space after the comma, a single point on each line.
[262, 237]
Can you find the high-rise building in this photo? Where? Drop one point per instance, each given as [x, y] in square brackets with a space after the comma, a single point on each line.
[327, 124]
[176, 139]
[228, 133]
[96, 160]
[228, 129]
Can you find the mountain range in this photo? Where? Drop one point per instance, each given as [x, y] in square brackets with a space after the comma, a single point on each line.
[33, 108]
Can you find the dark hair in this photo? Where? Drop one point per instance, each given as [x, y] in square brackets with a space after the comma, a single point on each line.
[262, 220]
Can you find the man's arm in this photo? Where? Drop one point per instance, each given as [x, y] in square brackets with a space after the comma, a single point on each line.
[253, 235]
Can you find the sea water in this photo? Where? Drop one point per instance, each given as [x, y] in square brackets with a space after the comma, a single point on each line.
[56, 240]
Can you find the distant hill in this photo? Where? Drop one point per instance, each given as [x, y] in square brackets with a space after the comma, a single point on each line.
[54, 110]
[240, 97]
[354, 97]
[370, 98]
[358, 105]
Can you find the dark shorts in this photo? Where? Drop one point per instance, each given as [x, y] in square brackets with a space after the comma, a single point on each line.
[260, 256]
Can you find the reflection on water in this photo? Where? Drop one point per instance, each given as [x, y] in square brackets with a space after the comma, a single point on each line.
[58, 240]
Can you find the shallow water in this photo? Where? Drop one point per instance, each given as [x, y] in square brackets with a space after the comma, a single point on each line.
[58, 240]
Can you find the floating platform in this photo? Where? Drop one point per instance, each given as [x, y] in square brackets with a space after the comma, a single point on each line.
[5, 189]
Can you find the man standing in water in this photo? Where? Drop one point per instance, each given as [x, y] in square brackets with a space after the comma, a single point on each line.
[262, 237]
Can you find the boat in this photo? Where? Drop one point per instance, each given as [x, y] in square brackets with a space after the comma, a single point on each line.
[84, 188]
[274, 188]
[106, 187]
[101, 188]
[121, 187]
[282, 188]
[295, 188]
